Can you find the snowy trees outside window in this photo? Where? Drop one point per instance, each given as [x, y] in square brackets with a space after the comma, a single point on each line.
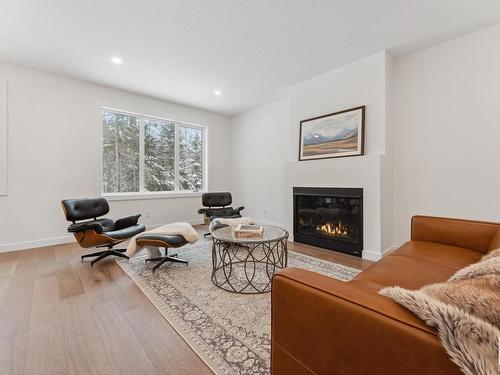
[190, 158]
[145, 154]
[120, 153]
[159, 155]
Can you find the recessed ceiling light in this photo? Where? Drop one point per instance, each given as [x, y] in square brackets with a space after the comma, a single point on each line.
[217, 92]
[116, 60]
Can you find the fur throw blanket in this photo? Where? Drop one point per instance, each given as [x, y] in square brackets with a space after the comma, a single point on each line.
[186, 230]
[235, 221]
[465, 310]
[222, 222]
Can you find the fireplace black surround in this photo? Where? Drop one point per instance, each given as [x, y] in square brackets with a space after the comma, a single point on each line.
[331, 218]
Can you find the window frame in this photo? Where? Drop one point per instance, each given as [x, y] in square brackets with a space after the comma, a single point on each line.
[142, 193]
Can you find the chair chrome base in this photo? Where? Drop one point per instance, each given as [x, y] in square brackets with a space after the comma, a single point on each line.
[106, 253]
[167, 258]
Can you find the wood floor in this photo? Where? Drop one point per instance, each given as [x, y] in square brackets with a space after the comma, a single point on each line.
[60, 316]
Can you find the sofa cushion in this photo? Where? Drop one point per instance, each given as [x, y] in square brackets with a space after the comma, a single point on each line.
[407, 272]
[473, 235]
[450, 256]
[466, 311]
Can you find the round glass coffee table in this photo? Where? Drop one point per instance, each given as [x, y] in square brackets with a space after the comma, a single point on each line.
[247, 265]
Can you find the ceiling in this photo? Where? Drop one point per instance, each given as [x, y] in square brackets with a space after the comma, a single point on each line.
[251, 50]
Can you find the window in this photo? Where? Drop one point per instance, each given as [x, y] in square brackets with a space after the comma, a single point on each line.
[143, 154]
[159, 155]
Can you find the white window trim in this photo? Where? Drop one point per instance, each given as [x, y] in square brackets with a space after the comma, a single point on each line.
[142, 194]
[151, 195]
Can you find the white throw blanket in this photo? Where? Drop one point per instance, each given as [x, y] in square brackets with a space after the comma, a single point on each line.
[236, 221]
[185, 230]
[232, 221]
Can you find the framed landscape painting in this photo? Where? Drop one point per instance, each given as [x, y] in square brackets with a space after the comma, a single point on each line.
[334, 135]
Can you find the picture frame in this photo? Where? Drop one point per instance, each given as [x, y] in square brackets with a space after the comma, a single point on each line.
[335, 135]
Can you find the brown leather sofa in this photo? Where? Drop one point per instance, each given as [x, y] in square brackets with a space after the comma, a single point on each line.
[321, 325]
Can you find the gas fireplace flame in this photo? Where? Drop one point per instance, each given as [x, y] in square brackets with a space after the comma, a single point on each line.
[333, 229]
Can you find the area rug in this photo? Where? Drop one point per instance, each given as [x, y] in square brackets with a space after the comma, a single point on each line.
[230, 332]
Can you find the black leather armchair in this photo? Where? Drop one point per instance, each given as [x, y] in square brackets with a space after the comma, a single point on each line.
[216, 203]
[216, 206]
[90, 231]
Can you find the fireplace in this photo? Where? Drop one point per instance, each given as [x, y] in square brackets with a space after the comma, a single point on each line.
[331, 218]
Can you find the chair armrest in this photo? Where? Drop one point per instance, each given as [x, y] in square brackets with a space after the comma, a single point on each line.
[236, 211]
[322, 325]
[203, 211]
[80, 227]
[468, 234]
[126, 222]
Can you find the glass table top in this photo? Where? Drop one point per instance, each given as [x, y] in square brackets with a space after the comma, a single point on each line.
[269, 234]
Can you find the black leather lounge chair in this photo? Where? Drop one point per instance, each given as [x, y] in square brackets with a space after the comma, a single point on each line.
[215, 206]
[99, 232]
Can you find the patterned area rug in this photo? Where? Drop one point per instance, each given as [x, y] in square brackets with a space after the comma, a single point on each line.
[230, 332]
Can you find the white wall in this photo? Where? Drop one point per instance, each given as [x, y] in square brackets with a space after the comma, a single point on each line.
[447, 131]
[363, 172]
[432, 137]
[432, 144]
[273, 152]
[360, 83]
[3, 138]
[387, 167]
[363, 82]
[54, 153]
[260, 149]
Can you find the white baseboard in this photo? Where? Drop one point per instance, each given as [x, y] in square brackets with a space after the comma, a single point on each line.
[375, 255]
[389, 250]
[15, 246]
[371, 255]
[23, 245]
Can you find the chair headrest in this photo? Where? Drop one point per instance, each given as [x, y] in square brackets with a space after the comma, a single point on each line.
[216, 199]
[84, 208]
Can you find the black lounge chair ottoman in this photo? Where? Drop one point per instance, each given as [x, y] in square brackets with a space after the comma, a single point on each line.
[165, 241]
